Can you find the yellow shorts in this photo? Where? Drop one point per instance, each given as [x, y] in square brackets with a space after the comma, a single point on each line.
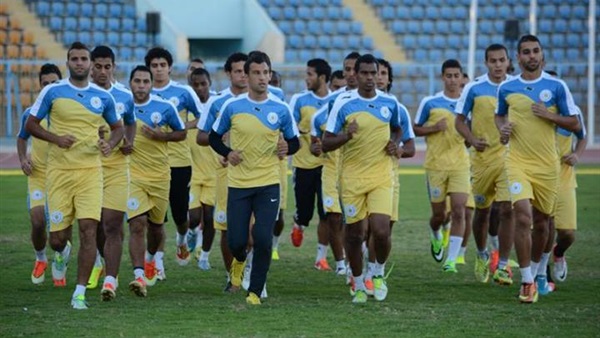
[470, 201]
[150, 197]
[201, 194]
[36, 187]
[330, 190]
[116, 188]
[396, 194]
[442, 182]
[220, 215]
[283, 183]
[73, 194]
[364, 196]
[490, 184]
[565, 215]
[540, 186]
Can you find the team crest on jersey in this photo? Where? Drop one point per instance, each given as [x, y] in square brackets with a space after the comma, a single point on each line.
[479, 199]
[385, 112]
[133, 204]
[175, 101]
[516, 188]
[37, 195]
[120, 107]
[350, 210]
[221, 217]
[272, 118]
[56, 217]
[545, 95]
[95, 102]
[156, 117]
[435, 192]
[328, 201]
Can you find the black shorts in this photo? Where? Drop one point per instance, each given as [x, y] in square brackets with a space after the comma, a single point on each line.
[179, 193]
[308, 191]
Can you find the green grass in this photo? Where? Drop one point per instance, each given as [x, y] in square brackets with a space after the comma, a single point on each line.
[302, 301]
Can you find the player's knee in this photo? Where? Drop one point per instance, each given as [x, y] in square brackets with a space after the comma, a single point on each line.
[355, 235]
[136, 227]
[57, 242]
[381, 231]
[566, 235]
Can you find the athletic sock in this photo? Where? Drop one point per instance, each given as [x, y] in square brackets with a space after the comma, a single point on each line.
[41, 255]
[526, 276]
[98, 261]
[378, 269]
[454, 248]
[437, 234]
[138, 272]
[79, 290]
[180, 239]
[502, 263]
[149, 257]
[275, 242]
[494, 242]
[204, 255]
[543, 264]
[534, 267]
[462, 251]
[110, 279]
[321, 252]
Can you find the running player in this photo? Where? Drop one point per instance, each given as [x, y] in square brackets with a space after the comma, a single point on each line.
[149, 187]
[337, 80]
[34, 166]
[160, 61]
[75, 108]
[276, 79]
[446, 163]
[308, 168]
[360, 123]
[478, 103]
[530, 106]
[115, 172]
[234, 69]
[254, 122]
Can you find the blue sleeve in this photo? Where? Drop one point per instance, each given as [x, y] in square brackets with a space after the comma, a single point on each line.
[582, 133]
[564, 101]
[502, 109]
[43, 104]
[465, 103]
[129, 114]
[192, 103]
[223, 123]
[110, 111]
[288, 127]
[318, 120]
[336, 120]
[173, 119]
[422, 112]
[22, 132]
[407, 130]
[395, 119]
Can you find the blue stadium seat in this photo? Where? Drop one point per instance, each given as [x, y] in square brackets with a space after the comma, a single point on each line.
[404, 84]
[318, 13]
[558, 40]
[280, 3]
[580, 12]
[305, 55]
[126, 38]
[377, 3]
[432, 13]
[333, 13]
[320, 53]
[346, 13]
[315, 27]
[57, 8]
[564, 11]
[573, 41]
[417, 13]
[480, 54]
[310, 42]
[488, 12]
[454, 41]
[299, 27]
[439, 41]
[114, 24]
[560, 25]
[86, 9]
[85, 24]
[84, 37]
[414, 27]
[309, 3]
[343, 27]
[128, 24]
[356, 28]
[457, 27]
[503, 11]
[113, 38]
[498, 26]
[459, 12]
[409, 41]
[338, 42]
[70, 24]
[329, 27]
[140, 38]
[42, 8]
[428, 27]
[285, 26]
[452, 54]
[485, 27]
[115, 10]
[435, 55]
[421, 86]
[463, 55]
[99, 24]
[547, 11]
[140, 24]
[545, 25]
[573, 55]
[483, 41]
[557, 55]
[576, 26]
[289, 13]
[72, 9]
[402, 13]
[304, 13]
[139, 53]
[399, 27]
[101, 10]
[580, 70]
[99, 38]
[275, 13]
[424, 41]
[129, 11]
[408, 100]
[69, 37]
[367, 43]
[294, 41]
[56, 23]
[388, 13]
[290, 55]
[334, 56]
[442, 27]
[125, 53]
[354, 42]
[323, 2]
[520, 12]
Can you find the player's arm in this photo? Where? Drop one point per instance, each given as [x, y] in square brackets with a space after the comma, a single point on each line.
[462, 127]
[116, 133]
[290, 132]
[26, 165]
[580, 145]
[570, 123]
[407, 149]
[205, 122]
[334, 136]
[34, 128]
[503, 125]
[422, 116]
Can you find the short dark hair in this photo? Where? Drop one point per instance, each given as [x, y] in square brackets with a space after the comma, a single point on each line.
[338, 74]
[494, 47]
[552, 72]
[233, 58]
[321, 67]
[199, 60]
[365, 58]
[256, 57]
[527, 38]
[77, 45]
[140, 68]
[103, 52]
[387, 65]
[157, 53]
[466, 76]
[201, 71]
[352, 56]
[451, 63]
[49, 68]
